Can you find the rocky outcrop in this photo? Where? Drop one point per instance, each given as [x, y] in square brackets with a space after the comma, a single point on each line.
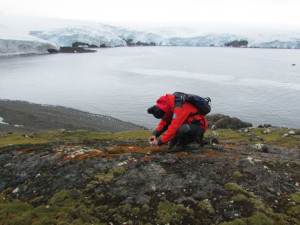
[130, 43]
[236, 43]
[71, 50]
[218, 121]
[83, 45]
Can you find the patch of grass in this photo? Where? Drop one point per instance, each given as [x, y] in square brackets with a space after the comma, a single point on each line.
[274, 138]
[7, 139]
[230, 135]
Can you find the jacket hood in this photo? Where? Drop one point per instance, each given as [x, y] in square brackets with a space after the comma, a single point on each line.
[163, 104]
[166, 104]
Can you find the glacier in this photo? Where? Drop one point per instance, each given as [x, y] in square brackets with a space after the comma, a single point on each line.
[20, 47]
[113, 36]
[104, 35]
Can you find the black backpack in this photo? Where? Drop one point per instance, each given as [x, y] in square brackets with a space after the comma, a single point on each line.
[202, 104]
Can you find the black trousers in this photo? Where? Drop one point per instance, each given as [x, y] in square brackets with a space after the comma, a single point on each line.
[186, 134]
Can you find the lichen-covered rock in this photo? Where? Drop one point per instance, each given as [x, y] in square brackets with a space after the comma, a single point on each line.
[104, 181]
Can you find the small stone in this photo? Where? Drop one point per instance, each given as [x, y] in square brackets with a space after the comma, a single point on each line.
[267, 131]
[214, 134]
[62, 130]
[122, 163]
[15, 191]
[261, 147]
[291, 132]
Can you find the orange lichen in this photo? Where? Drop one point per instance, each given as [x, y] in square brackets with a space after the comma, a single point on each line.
[198, 157]
[182, 155]
[27, 149]
[237, 157]
[230, 147]
[250, 169]
[43, 154]
[213, 155]
[147, 158]
[155, 149]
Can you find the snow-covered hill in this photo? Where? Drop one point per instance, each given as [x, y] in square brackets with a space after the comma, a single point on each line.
[38, 41]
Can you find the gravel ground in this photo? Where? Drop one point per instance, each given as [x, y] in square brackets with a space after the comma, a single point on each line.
[20, 116]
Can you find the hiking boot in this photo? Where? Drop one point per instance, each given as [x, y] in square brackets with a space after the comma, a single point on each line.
[173, 142]
[200, 141]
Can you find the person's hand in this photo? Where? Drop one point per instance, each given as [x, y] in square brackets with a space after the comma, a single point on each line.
[154, 143]
[152, 140]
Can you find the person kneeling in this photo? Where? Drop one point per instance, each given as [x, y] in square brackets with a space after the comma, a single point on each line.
[179, 125]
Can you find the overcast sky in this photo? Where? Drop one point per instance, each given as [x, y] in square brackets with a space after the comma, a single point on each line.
[276, 12]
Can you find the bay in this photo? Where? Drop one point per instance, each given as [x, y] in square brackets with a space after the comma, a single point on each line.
[256, 85]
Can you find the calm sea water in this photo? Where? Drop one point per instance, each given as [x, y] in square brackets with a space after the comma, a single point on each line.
[256, 85]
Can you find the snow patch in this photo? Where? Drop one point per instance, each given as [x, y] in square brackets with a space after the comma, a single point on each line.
[1, 121]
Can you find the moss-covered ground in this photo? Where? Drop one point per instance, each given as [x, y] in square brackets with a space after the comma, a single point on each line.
[84, 206]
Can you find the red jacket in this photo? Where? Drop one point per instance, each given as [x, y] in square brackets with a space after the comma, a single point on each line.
[176, 116]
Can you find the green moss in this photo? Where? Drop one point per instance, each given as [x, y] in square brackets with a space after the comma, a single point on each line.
[237, 174]
[61, 209]
[296, 197]
[168, 212]
[92, 185]
[294, 211]
[104, 177]
[281, 219]
[234, 222]
[60, 197]
[206, 207]
[108, 177]
[260, 219]
[12, 212]
[235, 188]
[36, 200]
[261, 206]
[239, 198]
[118, 170]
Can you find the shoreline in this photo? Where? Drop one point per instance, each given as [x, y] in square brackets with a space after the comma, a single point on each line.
[22, 116]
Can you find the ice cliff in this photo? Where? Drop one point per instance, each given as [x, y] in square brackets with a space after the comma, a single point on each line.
[103, 35]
